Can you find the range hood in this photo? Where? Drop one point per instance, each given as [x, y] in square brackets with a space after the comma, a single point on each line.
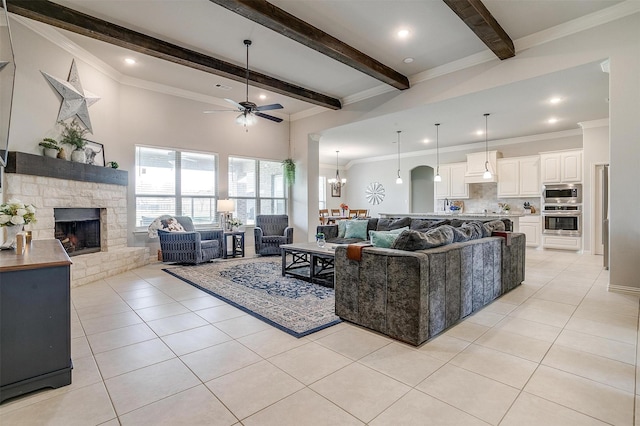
[476, 168]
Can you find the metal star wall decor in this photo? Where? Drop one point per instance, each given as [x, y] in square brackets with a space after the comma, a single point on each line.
[75, 101]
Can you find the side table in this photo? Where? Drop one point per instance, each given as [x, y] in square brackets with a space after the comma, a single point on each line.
[236, 248]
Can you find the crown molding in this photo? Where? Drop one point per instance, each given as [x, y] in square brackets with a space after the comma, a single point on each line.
[592, 124]
[54, 36]
[471, 146]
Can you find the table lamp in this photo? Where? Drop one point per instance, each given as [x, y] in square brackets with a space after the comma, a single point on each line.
[226, 209]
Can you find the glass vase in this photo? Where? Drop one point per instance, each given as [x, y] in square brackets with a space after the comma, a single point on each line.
[321, 241]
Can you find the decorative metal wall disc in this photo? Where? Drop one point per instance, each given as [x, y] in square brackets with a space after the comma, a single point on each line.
[375, 193]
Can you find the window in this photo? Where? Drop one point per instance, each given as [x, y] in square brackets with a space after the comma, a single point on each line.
[257, 187]
[322, 192]
[176, 183]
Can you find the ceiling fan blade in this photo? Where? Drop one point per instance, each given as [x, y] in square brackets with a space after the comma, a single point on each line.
[212, 111]
[269, 117]
[268, 107]
[235, 104]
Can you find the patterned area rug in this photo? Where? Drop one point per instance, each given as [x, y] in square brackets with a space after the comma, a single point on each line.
[257, 287]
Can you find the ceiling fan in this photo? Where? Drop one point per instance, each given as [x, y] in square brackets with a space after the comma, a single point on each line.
[249, 110]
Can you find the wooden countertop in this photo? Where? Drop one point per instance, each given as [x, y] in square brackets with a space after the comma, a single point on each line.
[38, 254]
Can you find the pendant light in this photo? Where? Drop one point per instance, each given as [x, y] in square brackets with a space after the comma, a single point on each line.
[487, 173]
[437, 177]
[337, 182]
[399, 179]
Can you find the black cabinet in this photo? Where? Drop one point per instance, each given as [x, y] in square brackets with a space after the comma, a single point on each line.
[35, 335]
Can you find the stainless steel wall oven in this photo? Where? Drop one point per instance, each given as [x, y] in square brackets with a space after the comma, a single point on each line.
[562, 219]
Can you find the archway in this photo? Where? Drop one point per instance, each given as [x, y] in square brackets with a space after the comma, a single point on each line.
[422, 188]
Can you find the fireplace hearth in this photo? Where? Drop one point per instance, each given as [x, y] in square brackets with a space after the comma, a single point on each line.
[78, 229]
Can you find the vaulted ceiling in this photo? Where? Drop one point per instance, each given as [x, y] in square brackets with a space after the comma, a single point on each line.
[437, 38]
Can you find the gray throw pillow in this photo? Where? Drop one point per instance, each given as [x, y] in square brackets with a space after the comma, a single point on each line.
[389, 224]
[489, 227]
[423, 225]
[414, 240]
[472, 230]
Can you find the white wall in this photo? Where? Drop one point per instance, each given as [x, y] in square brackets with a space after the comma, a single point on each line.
[127, 115]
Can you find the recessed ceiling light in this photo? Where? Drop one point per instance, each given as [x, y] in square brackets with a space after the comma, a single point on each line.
[555, 100]
[552, 120]
[479, 132]
[407, 60]
[404, 33]
[129, 61]
[263, 96]
[426, 140]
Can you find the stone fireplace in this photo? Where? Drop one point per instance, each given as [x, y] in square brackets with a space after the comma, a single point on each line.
[78, 229]
[53, 184]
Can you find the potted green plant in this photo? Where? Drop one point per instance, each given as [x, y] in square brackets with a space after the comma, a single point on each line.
[113, 164]
[73, 134]
[51, 147]
[289, 171]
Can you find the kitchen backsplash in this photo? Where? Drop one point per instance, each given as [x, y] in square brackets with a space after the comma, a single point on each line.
[485, 196]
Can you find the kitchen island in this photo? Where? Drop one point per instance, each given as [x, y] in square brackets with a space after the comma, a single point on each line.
[484, 217]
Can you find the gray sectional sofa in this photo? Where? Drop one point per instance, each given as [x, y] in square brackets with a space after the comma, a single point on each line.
[414, 295]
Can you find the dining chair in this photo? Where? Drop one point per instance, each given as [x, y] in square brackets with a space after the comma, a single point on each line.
[353, 214]
[323, 215]
[336, 212]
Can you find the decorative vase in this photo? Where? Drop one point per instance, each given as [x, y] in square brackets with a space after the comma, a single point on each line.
[50, 152]
[79, 156]
[10, 234]
[321, 241]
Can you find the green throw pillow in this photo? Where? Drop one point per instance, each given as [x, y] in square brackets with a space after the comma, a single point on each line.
[356, 229]
[393, 231]
[383, 239]
[342, 228]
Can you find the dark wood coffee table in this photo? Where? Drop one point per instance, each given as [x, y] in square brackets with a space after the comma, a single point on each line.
[309, 262]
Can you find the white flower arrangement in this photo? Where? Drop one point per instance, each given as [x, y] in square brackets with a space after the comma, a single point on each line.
[15, 212]
[235, 222]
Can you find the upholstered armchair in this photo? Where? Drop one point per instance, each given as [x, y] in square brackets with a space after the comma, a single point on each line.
[189, 246]
[270, 232]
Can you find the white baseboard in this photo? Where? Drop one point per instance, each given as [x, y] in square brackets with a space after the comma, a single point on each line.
[634, 291]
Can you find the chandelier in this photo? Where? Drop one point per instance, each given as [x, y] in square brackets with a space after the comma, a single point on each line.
[337, 182]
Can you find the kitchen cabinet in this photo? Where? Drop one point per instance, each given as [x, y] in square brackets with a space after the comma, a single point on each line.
[519, 177]
[35, 319]
[561, 166]
[452, 184]
[531, 226]
[561, 243]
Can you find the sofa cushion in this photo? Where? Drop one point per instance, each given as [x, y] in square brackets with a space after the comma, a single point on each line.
[414, 240]
[489, 227]
[356, 229]
[389, 224]
[383, 239]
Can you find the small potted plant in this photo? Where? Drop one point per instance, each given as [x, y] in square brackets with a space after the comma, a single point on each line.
[51, 147]
[73, 134]
[113, 164]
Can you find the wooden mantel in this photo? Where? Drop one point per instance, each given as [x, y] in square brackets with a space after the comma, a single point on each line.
[38, 165]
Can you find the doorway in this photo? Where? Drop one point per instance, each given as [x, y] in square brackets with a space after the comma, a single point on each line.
[422, 189]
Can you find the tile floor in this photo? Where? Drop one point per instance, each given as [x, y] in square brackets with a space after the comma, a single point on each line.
[149, 349]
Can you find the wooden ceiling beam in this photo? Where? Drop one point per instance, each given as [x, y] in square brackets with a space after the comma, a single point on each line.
[276, 19]
[86, 25]
[484, 25]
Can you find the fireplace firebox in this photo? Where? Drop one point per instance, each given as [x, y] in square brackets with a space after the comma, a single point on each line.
[78, 229]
